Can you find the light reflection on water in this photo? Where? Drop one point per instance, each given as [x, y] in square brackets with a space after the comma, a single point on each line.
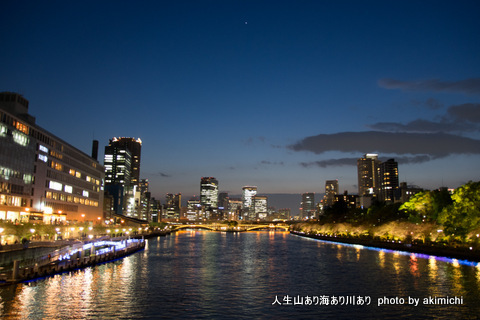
[205, 275]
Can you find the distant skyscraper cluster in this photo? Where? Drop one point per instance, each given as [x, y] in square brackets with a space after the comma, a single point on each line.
[43, 178]
[377, 181]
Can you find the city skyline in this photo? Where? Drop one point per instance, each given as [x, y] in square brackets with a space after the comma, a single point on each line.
[282, 97]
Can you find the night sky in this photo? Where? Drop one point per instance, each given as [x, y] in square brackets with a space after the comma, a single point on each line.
[279, 94]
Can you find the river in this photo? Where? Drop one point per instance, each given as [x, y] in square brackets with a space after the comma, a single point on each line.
[253, 275]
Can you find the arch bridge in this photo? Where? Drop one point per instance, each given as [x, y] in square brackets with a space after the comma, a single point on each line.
[226, 227]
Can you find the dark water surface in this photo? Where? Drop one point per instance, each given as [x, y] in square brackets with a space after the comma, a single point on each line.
[252, 275]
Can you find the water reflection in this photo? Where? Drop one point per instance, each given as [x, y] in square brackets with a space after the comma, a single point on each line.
[210, 275]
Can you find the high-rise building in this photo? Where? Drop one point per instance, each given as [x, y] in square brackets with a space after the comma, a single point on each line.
[248, 192]
[307, 209]
[43, 177]
[260, 206]
[209, 192]
[173, 205]
[135, 147]
[234, 209]
[122, 170]
[331, 190]
[368, 175]
[118, 166]
[389, 180]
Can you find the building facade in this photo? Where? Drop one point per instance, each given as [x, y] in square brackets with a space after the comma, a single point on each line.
[209, 192]
[248, 192]
[260, 207]
[43, 178]
[307, 208]
[122, 171]
[331, 190]
[389, 183]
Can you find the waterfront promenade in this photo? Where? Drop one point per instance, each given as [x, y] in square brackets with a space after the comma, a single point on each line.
[38, 259]
[462, 253]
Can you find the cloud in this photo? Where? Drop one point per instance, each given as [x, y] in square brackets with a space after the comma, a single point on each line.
[253, 140]
[331, 163]
[468, 86]
[459, 118]
[435, 145]
[430, 103]
[161, 174]
[421, 125]
[353, 161]
[272, 162]
[469, 112]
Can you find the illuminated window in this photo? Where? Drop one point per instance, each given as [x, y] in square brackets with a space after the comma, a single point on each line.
[85, 193]
[43, 148]
[78, 174]
[20, 138]
[55, 185]
[68, 189]
[48, 195]
[21, 127]
[71, 172]
[3, 130]
[56, 166]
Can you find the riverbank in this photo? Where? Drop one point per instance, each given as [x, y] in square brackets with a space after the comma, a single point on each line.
[469, 254]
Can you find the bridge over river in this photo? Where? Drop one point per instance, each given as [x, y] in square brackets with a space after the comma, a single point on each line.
[229, 228]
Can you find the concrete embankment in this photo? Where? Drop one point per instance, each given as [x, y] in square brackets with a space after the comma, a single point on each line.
[460, 253]
[71, 257]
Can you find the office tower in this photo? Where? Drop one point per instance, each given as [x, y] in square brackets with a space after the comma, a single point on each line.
[135, 147]
[155, 210]
[247, 193]
[307, 209]
[122, 170]
[42, 177]
[118, 166]
[368, 175]
[260, 204]
[209, 192]
[194, 210]
[331, 190]
[142, 200]
[389, 180]
[234, 208]
[173, 204]
[122, 161]
[223, 200]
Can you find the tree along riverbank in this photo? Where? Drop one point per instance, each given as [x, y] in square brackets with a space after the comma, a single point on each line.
[402, 236]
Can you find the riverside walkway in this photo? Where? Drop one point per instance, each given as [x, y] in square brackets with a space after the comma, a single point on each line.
[22, 263]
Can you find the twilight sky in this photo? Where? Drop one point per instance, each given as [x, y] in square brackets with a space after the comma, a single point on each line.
[279, 94]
